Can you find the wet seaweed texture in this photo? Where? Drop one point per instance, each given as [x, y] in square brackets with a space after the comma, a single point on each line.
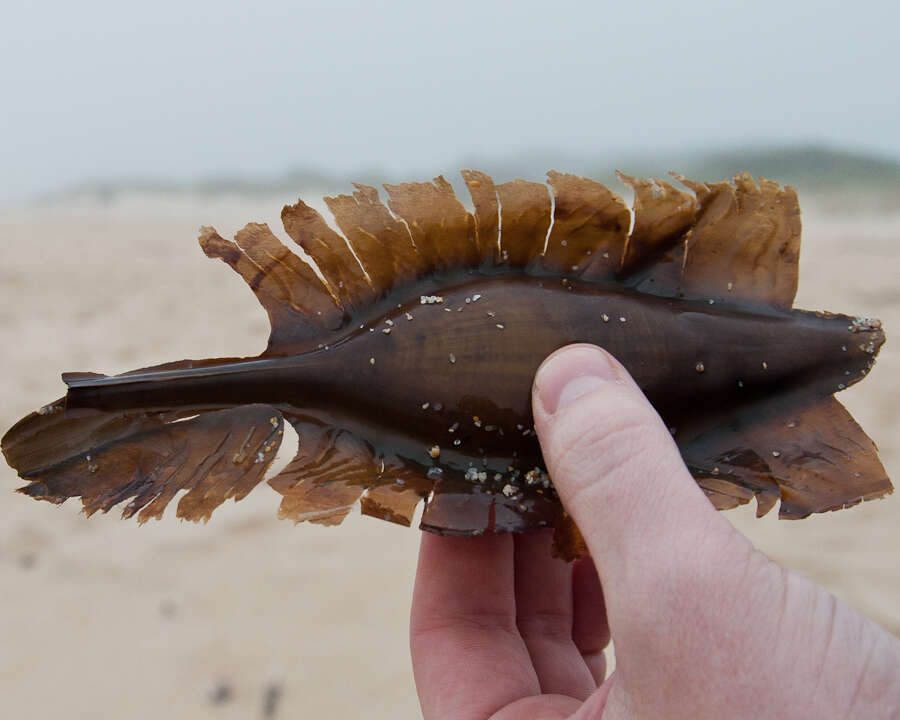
[404, 360]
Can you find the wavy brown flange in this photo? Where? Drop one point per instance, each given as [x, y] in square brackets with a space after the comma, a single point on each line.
[404, 361]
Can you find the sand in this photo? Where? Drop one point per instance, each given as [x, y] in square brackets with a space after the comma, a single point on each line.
[249, 617]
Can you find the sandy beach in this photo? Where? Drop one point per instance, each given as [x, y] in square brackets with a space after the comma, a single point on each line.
[250, 617]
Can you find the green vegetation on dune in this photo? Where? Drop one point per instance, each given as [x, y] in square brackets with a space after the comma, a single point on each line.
[809, 168]
[812, 167]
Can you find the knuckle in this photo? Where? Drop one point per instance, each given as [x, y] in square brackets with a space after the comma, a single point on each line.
[547, 625]
[478, 623]
[585, 444]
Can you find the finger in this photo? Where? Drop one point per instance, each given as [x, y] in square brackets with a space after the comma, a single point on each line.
[468, 657]
[542, 707]
[620, 475]
[544, 617]
[590, 628]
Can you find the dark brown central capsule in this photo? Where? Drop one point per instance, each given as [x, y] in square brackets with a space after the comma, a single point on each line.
[457, 373]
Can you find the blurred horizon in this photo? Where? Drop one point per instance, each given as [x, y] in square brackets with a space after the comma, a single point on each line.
[812, 168]
[194, 93]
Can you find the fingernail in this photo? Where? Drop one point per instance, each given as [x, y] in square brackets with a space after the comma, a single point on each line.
[570, 373]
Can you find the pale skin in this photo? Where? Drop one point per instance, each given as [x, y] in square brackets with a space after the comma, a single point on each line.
[704, 625]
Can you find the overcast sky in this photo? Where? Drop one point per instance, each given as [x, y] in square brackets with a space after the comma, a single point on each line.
[185, 90]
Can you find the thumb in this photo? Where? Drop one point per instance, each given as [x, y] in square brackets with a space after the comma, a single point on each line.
[620, 475]
[703, 625]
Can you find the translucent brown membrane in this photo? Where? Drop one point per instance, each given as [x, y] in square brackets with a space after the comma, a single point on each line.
[213, 456]
[405, 363]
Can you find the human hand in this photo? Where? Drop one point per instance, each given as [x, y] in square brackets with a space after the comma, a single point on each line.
[704, 625]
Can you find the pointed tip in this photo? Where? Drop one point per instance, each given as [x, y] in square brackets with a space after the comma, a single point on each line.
[37, 490]
[765, 502]
[700, 189]
[626, 179]
[288, 211]
[214, 245]
[474, 179]
[75, 379]
[366, 193]
[206, 233]
[745, 181]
